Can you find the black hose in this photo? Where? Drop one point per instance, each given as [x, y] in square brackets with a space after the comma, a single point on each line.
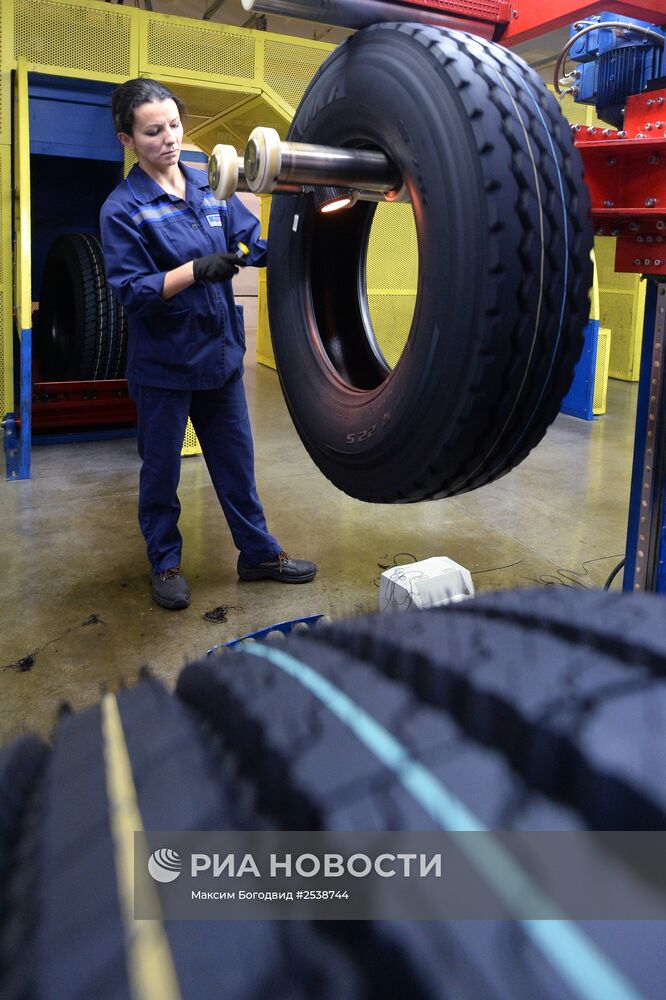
[613, 575]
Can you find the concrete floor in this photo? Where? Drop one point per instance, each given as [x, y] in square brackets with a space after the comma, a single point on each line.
[75, 592]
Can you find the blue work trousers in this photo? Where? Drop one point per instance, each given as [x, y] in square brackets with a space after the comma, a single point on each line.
[221, 422]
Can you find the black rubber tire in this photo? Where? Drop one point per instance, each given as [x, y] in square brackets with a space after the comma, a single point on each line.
[21, 767]
[62, 905]
[539, 710]
[502, 217]
[529, 706]
[82, 328]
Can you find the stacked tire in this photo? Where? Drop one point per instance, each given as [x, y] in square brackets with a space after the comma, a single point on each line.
[82, 328]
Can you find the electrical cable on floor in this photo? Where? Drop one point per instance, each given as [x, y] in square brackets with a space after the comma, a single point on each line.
[613, 575]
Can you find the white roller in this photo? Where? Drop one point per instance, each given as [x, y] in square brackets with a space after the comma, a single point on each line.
[263, 160]
[223, 171]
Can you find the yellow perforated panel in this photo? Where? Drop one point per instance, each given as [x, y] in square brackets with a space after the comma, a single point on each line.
[264, 343]
[191, 444]
[129, 159]
[601, 372]
[5, 213]
[4, 353]
[392, 250]
[6, 337]
[208, 50]
[5, 61]
[72, 36]
[208, 135]
[622, 302]
[233, 128]
[265, 354]
[288, 68]
[392, 277]
[205, 105]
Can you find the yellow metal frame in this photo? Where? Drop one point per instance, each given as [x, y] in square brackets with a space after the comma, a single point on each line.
[69, 38]
[6, 276]
[22, 263]
[6, 208]
[46, 41]
[265, 353]
[6, 65]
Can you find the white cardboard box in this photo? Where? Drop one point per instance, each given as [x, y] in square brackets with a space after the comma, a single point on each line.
[426, 584]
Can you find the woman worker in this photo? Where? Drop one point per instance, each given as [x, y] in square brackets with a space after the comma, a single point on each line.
[170, 252]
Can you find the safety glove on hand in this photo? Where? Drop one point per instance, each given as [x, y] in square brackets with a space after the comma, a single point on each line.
[216, 267]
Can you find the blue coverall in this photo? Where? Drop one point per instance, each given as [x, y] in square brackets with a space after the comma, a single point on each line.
[185, 354]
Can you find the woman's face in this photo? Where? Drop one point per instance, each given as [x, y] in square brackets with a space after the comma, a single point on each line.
[157, 134]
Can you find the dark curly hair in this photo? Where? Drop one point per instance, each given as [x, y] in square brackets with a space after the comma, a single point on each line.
[132, 93]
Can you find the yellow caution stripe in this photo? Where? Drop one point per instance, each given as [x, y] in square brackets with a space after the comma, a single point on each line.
[150, 966]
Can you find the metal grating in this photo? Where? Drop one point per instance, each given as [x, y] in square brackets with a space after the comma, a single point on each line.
[257, 112]
[4, 404]
[4, 74]
[5, 211]
[264, 343]
[487, 10]
[289, 68]
[129, 159]
[392, 250]
[200, 50]
[233, 128]
[622, 305]
[208, 135]
[203, 100]
[6, 326]
[70, 36]
[601, 373]
[191, 444]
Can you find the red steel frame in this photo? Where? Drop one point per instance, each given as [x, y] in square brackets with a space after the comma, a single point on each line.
[520, 20]
[535, 17]
[59, 405]
[627, 181]
[624, 169]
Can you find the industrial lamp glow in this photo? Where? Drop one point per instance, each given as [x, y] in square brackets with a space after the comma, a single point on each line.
[333, 199]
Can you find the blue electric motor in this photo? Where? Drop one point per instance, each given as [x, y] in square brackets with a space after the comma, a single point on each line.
[616, 62]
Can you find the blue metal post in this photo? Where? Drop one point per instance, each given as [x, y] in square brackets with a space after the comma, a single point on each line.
[17, 440]
[646, 531]
[25, 439]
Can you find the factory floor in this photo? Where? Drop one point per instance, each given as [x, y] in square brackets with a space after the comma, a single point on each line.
[75, 592]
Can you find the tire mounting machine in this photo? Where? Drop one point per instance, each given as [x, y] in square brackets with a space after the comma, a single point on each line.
[621, 70]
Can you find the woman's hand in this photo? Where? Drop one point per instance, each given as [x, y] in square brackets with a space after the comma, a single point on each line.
[217, 267]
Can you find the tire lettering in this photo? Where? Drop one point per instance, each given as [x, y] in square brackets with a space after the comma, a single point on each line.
[357, 436]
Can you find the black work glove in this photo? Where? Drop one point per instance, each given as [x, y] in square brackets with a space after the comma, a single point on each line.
[216, 267]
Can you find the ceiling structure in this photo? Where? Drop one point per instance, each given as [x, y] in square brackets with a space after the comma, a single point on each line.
[539, 52]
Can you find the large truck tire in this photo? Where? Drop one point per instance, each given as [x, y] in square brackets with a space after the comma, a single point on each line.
[82, 328]
[532, 710]
[504, 236]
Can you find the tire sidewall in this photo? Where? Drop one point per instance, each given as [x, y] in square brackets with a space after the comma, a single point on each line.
[375, 96]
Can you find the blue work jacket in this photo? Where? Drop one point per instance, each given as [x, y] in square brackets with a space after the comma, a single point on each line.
[194, 340]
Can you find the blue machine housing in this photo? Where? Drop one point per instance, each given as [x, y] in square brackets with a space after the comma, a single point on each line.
[614, 64]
